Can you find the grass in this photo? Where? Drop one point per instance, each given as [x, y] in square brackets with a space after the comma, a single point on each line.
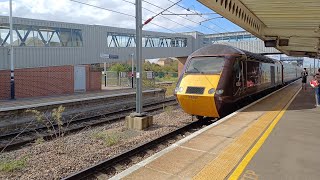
[13, 165]
[109, 139]
[163, 79]
[170, 89]
[169, 111]
[39, 140]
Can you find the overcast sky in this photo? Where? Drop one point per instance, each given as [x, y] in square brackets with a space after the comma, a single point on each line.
[68, 11]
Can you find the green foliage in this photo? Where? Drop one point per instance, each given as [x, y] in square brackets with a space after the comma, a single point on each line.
[49, 121]
[39, 140]
[57, 115]
[109, 139]
[168, 109]
[171, 67]
[170, 89]
[147, 66]
[120, 67]
[13, 165]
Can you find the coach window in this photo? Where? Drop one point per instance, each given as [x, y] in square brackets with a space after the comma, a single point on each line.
[253, 72]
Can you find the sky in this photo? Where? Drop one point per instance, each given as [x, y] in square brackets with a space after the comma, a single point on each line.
[69, 11]
[72, 12]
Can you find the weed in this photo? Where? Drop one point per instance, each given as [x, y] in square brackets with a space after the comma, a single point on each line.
[50, 121]
[170, 89]
[109, 139]
[13, 165]
[40, 140]
[168, 109]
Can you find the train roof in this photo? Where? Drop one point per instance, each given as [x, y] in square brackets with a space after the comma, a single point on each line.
[221, 49]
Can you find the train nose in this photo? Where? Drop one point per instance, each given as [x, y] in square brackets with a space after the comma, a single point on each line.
[196, 104]
[195, 94]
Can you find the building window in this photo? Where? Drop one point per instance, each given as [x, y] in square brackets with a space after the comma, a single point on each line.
[39, 36]
[128, 40]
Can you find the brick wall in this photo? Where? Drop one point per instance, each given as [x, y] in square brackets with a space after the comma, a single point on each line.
[95, 81]
[4, 84]
[46, 81]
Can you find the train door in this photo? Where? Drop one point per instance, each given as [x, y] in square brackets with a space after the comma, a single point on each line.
[272, 72]
[238, 77]
[278, 74]
[281, 73]
[244, 75]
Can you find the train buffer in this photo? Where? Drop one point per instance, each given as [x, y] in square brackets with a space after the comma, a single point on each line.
[276, 137]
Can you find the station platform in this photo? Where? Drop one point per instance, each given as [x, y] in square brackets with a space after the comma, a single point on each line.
[276, 137]
[25, 103]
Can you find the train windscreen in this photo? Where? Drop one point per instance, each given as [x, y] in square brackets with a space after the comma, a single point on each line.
[206, 65]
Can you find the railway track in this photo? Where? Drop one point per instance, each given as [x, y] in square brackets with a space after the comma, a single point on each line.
[30, 135]
[110, 166]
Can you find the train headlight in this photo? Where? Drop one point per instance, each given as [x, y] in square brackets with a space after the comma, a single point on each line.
[211, 91]
[220, 91]
[178, 89]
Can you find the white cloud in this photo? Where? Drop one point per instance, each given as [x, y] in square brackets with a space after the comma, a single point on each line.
[68, 11]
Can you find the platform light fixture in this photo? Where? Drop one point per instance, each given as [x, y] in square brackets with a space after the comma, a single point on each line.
[12, 84]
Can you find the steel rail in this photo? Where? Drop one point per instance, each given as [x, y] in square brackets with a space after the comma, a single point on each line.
[78, 124]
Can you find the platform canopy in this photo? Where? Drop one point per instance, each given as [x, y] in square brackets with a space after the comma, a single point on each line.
[291, 26]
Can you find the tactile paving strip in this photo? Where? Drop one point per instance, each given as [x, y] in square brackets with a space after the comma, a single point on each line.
[227, 160]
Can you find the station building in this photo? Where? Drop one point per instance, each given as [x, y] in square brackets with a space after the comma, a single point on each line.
[54, 58]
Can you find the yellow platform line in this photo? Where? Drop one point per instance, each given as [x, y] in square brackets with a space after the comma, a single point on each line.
[243, 164]
[227, 160]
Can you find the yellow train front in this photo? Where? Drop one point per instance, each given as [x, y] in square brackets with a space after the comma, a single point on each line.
[216, 78]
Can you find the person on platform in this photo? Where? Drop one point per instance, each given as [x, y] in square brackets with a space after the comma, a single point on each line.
[317, 88]
[304, 75]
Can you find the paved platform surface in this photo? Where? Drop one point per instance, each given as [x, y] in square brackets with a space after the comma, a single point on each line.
[292, 150]
[53, 100]
[220, 150]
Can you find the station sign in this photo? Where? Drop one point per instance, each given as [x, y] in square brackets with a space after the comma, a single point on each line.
[109, 56]
[150, 74]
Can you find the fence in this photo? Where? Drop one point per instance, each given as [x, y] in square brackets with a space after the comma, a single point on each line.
[113, 78]
[150, 79]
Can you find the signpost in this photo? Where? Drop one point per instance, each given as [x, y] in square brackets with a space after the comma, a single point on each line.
[105, 73]
[149, 74]
[107, 56]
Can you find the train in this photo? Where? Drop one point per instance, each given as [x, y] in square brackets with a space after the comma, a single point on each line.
[217, 77]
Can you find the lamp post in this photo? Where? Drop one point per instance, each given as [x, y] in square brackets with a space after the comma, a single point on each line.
[105, 73]
[132, 70]
[139, 27]
[12, 88]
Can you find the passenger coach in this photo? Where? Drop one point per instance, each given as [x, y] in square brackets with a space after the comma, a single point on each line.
[216, 77]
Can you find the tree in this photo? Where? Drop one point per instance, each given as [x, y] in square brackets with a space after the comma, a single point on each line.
[172, 67]
[120, 68]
